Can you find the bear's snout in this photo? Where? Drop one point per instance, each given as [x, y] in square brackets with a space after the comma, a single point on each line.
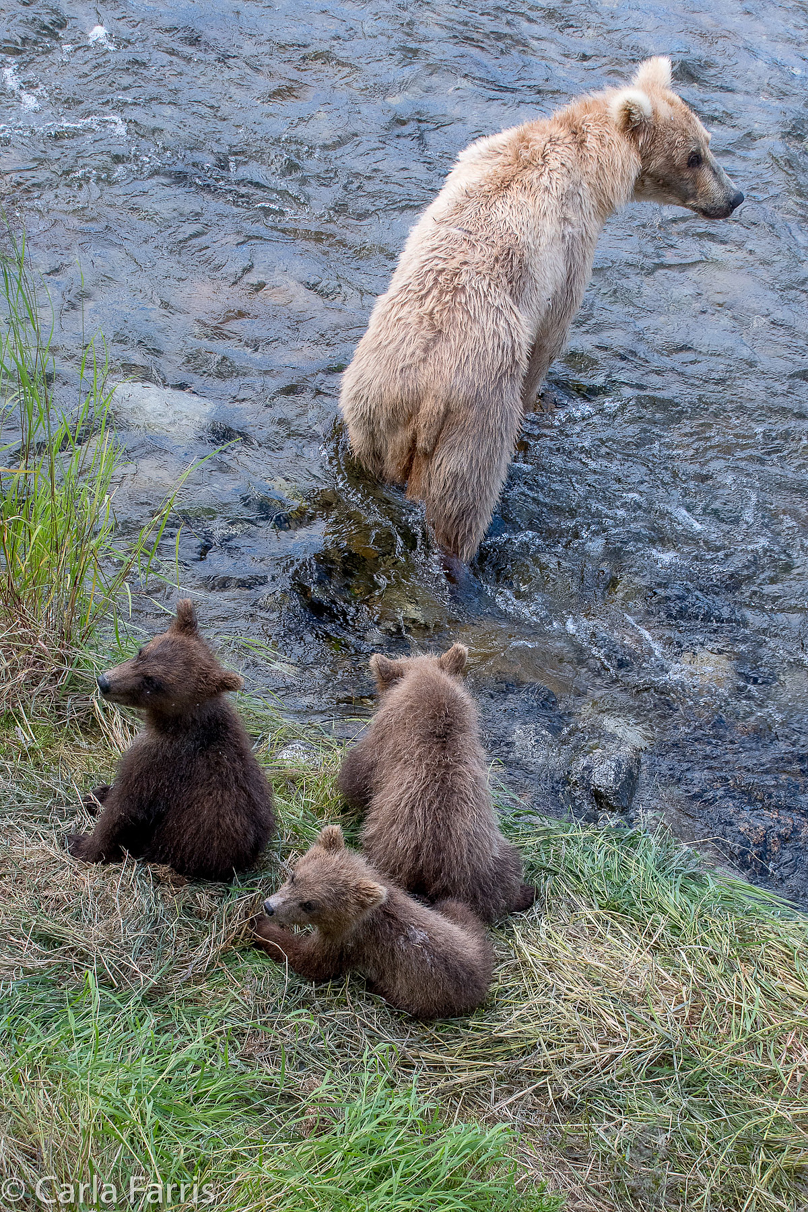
[736, 200]
[104, 683]
[269, 908]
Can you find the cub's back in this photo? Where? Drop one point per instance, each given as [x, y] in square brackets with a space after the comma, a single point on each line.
[431, 809]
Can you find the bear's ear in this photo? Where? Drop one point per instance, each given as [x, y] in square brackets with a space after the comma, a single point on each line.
[331, 838]
[454, 661]
[630, 109]
[185, 623]
[654, 73]
[384, 670]
[230, 681]
[368, 894]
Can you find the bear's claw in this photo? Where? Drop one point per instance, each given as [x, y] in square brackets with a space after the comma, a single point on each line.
[94, 799]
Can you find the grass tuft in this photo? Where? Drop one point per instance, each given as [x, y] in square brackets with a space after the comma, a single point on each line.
[60, 572]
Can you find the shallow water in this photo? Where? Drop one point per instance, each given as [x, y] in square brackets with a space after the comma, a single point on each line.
[223, 189]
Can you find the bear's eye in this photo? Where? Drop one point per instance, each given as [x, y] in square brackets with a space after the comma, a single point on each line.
[694, 160]
[307, 906]
[151, 685]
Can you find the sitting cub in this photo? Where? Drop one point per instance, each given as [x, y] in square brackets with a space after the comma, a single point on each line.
[421, 772]
[188, 792]
[431, 963]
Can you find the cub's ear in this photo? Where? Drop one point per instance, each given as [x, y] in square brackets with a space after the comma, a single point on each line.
[654, 73]
[331, 838]
[185, 623]
[369, 894]
[454, 661]
[630, 109]
[230, 681]
[384, 670]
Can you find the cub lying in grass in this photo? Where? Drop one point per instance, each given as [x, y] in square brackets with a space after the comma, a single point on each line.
[189, 791]
[431, 963]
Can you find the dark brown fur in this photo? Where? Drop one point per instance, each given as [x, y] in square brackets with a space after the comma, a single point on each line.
[431, 963]
[420, 770]
[189, 791]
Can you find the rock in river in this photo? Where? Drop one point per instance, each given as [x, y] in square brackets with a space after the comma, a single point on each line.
[609, 776]
[161, 409]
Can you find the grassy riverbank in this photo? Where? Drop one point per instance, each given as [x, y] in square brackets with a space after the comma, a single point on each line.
[645, 1043]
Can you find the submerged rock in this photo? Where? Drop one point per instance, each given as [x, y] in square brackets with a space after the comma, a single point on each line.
[161, 409]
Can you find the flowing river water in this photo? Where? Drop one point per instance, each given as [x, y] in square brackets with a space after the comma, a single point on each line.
[223, 188]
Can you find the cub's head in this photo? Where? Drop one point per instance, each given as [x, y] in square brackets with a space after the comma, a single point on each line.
[332, 888]
[677, 164]
[172, 674]
[387, 672]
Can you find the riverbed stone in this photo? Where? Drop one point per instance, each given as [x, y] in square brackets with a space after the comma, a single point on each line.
[608, 775]
[534, 746]
[161, 409]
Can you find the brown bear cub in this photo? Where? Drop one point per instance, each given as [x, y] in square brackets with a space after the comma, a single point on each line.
[431, 963]
[420, 770]
[188, 792]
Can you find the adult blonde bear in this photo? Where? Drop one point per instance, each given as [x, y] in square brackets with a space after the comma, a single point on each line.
[490, 279]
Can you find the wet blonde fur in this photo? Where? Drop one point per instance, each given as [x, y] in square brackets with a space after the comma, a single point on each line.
[488, 284]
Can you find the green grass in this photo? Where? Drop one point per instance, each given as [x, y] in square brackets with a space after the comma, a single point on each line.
[125, 1090]
[61, 574]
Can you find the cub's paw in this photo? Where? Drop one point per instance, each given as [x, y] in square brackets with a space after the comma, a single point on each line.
[526, 897]
[79, 845]
[274, 939]
[93, 801]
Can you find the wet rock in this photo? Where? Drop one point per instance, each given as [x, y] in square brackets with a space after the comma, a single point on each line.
[161, 409]
[534, 746]
[607, 775]
[299, 754]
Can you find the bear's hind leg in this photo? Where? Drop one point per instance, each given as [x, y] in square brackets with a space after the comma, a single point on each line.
[462, 484]
[116, 827]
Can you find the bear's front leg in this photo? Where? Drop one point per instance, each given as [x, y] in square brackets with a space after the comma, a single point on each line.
[305, 953]
[93, 801]
[114, 825]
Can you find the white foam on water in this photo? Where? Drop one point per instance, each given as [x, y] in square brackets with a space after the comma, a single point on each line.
[94, 122]
[98, 34]
[687, 519]
[54, 129]
[27, 100]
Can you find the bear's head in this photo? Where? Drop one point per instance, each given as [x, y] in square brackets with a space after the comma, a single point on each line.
[677, 165]
[331, 888]
[172, 674]
[387, 671]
